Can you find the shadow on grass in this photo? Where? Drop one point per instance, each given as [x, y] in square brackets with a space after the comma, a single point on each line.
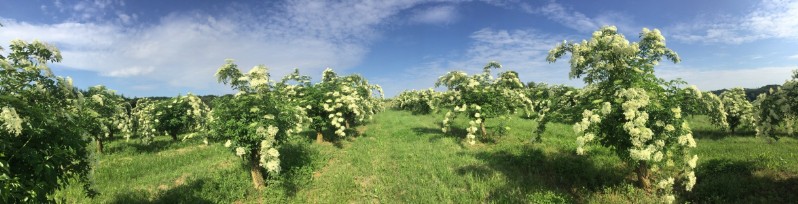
[298, 161]
[436, 134]
[728, 181]
[458, 133]
[533, 172]
[187, 193]
[331, 137]
[720, 134]
[139, 147]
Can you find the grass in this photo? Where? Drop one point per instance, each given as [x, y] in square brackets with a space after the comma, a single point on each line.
[404, 158]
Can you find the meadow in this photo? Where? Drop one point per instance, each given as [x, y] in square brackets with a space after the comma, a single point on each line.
[400, 157]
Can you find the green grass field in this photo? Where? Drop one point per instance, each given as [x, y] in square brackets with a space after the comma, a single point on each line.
[404, 158]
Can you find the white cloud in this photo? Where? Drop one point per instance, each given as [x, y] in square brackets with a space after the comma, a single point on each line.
[565, 16]
[707, 80]
[133, 71]
[184, 49]
[793, 56]
[444, 14]
[770, 19]
[578, 21]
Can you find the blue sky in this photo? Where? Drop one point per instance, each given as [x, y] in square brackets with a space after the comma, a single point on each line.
[164, 48]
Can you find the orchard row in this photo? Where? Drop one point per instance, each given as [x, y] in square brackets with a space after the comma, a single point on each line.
[46, 124]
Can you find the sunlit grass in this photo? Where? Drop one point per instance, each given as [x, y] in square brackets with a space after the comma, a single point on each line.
[404, 158]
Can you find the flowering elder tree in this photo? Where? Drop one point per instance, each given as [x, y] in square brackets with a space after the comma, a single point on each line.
[40, 146]
[481, 97]
[695, 102]
[337, 103]
[778, 108]
[257, 119]
[180, 115]
[557, 103]
[106, 114]
[739, 111]
[418, 102]
[143, 119]
[629, 111]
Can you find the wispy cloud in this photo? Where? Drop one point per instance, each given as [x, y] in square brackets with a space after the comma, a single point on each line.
[565, 16]
[444, 14]
[793, 57]
[184, 49]
[579, 21]
[770, 19]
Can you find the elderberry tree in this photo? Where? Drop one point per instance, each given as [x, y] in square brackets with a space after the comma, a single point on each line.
[778, 108]
[42, 144]
[340, 103]
[258, 118]
[630, 110]
[106, 115]
[480, 97]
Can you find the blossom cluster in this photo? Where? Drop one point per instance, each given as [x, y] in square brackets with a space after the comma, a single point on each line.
[269, 156]
[13, 123]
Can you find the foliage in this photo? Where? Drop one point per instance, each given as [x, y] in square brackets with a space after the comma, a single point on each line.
[41, 142]
[482, 97]
[142, 119]
[418, 102]
[258, 118]
[106, 115]
[557, 103]
[695, 102]
[337, 103]
[739, 110]
[173, 116]
[780, 107]
[630, 110]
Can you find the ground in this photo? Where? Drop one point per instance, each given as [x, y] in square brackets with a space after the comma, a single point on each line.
[404, 158]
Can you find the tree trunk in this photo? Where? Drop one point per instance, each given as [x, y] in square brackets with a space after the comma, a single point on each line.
[174, 136]
[643, 176]
[255, 171]
[319, 137]
[99, 145]
[482, 127]
[346, 124]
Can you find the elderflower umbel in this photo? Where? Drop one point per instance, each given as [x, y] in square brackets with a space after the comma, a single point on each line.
[240, 151]
[690, 176]
[228, 143]
[692, 162]
[12, 120]
[273, 166]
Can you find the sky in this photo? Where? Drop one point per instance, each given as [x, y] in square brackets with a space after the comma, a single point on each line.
[165, 48]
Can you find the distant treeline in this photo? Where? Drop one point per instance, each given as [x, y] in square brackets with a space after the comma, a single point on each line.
[751, 94]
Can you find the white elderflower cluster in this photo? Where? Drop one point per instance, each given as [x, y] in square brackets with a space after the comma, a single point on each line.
[472, 130]
[269, 156]
[258, 76]
[13, 123]
[588, 118]
[240, 151]
[447, 121]
[98, 99]
[640, 134]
